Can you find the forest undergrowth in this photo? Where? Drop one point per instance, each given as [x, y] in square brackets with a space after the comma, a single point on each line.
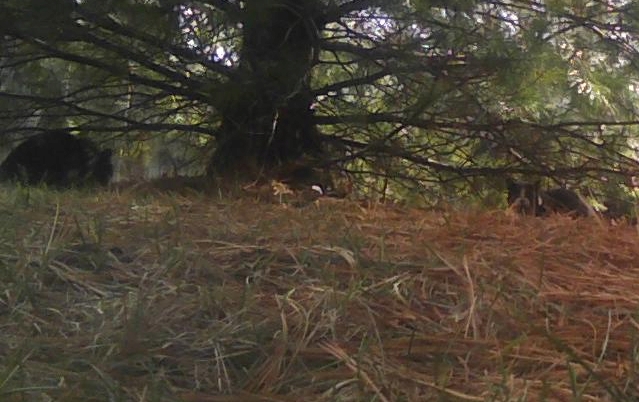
[155, 296]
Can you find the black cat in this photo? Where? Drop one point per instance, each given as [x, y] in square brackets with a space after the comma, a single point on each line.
[58, 159]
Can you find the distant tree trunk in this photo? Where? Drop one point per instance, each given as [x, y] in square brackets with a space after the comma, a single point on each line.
[267, 116]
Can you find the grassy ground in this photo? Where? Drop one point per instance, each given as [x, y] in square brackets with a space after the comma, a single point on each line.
[132, 296]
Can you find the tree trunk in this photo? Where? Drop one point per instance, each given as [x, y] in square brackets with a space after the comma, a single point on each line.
[267, 117]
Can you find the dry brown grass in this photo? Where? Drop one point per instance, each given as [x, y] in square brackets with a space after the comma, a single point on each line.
[123, 297]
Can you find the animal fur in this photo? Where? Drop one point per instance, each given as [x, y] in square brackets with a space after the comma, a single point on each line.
[59, 159]
[528, 199]
[523, 198]
[565, 201]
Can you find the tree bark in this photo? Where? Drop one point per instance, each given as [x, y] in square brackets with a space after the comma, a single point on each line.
[267, 119]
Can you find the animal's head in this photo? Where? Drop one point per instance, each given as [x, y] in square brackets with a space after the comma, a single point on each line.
[523, 197]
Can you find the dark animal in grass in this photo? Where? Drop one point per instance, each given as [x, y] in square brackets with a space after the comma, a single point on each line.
[58, 159]
[619, 211]
[528, 199]
[301, 177]
[564, 201]
[523, 197]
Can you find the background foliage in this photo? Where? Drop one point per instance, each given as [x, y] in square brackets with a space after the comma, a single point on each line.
[443, 98]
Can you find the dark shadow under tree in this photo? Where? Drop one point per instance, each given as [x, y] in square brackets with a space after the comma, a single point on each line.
[267, 119]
